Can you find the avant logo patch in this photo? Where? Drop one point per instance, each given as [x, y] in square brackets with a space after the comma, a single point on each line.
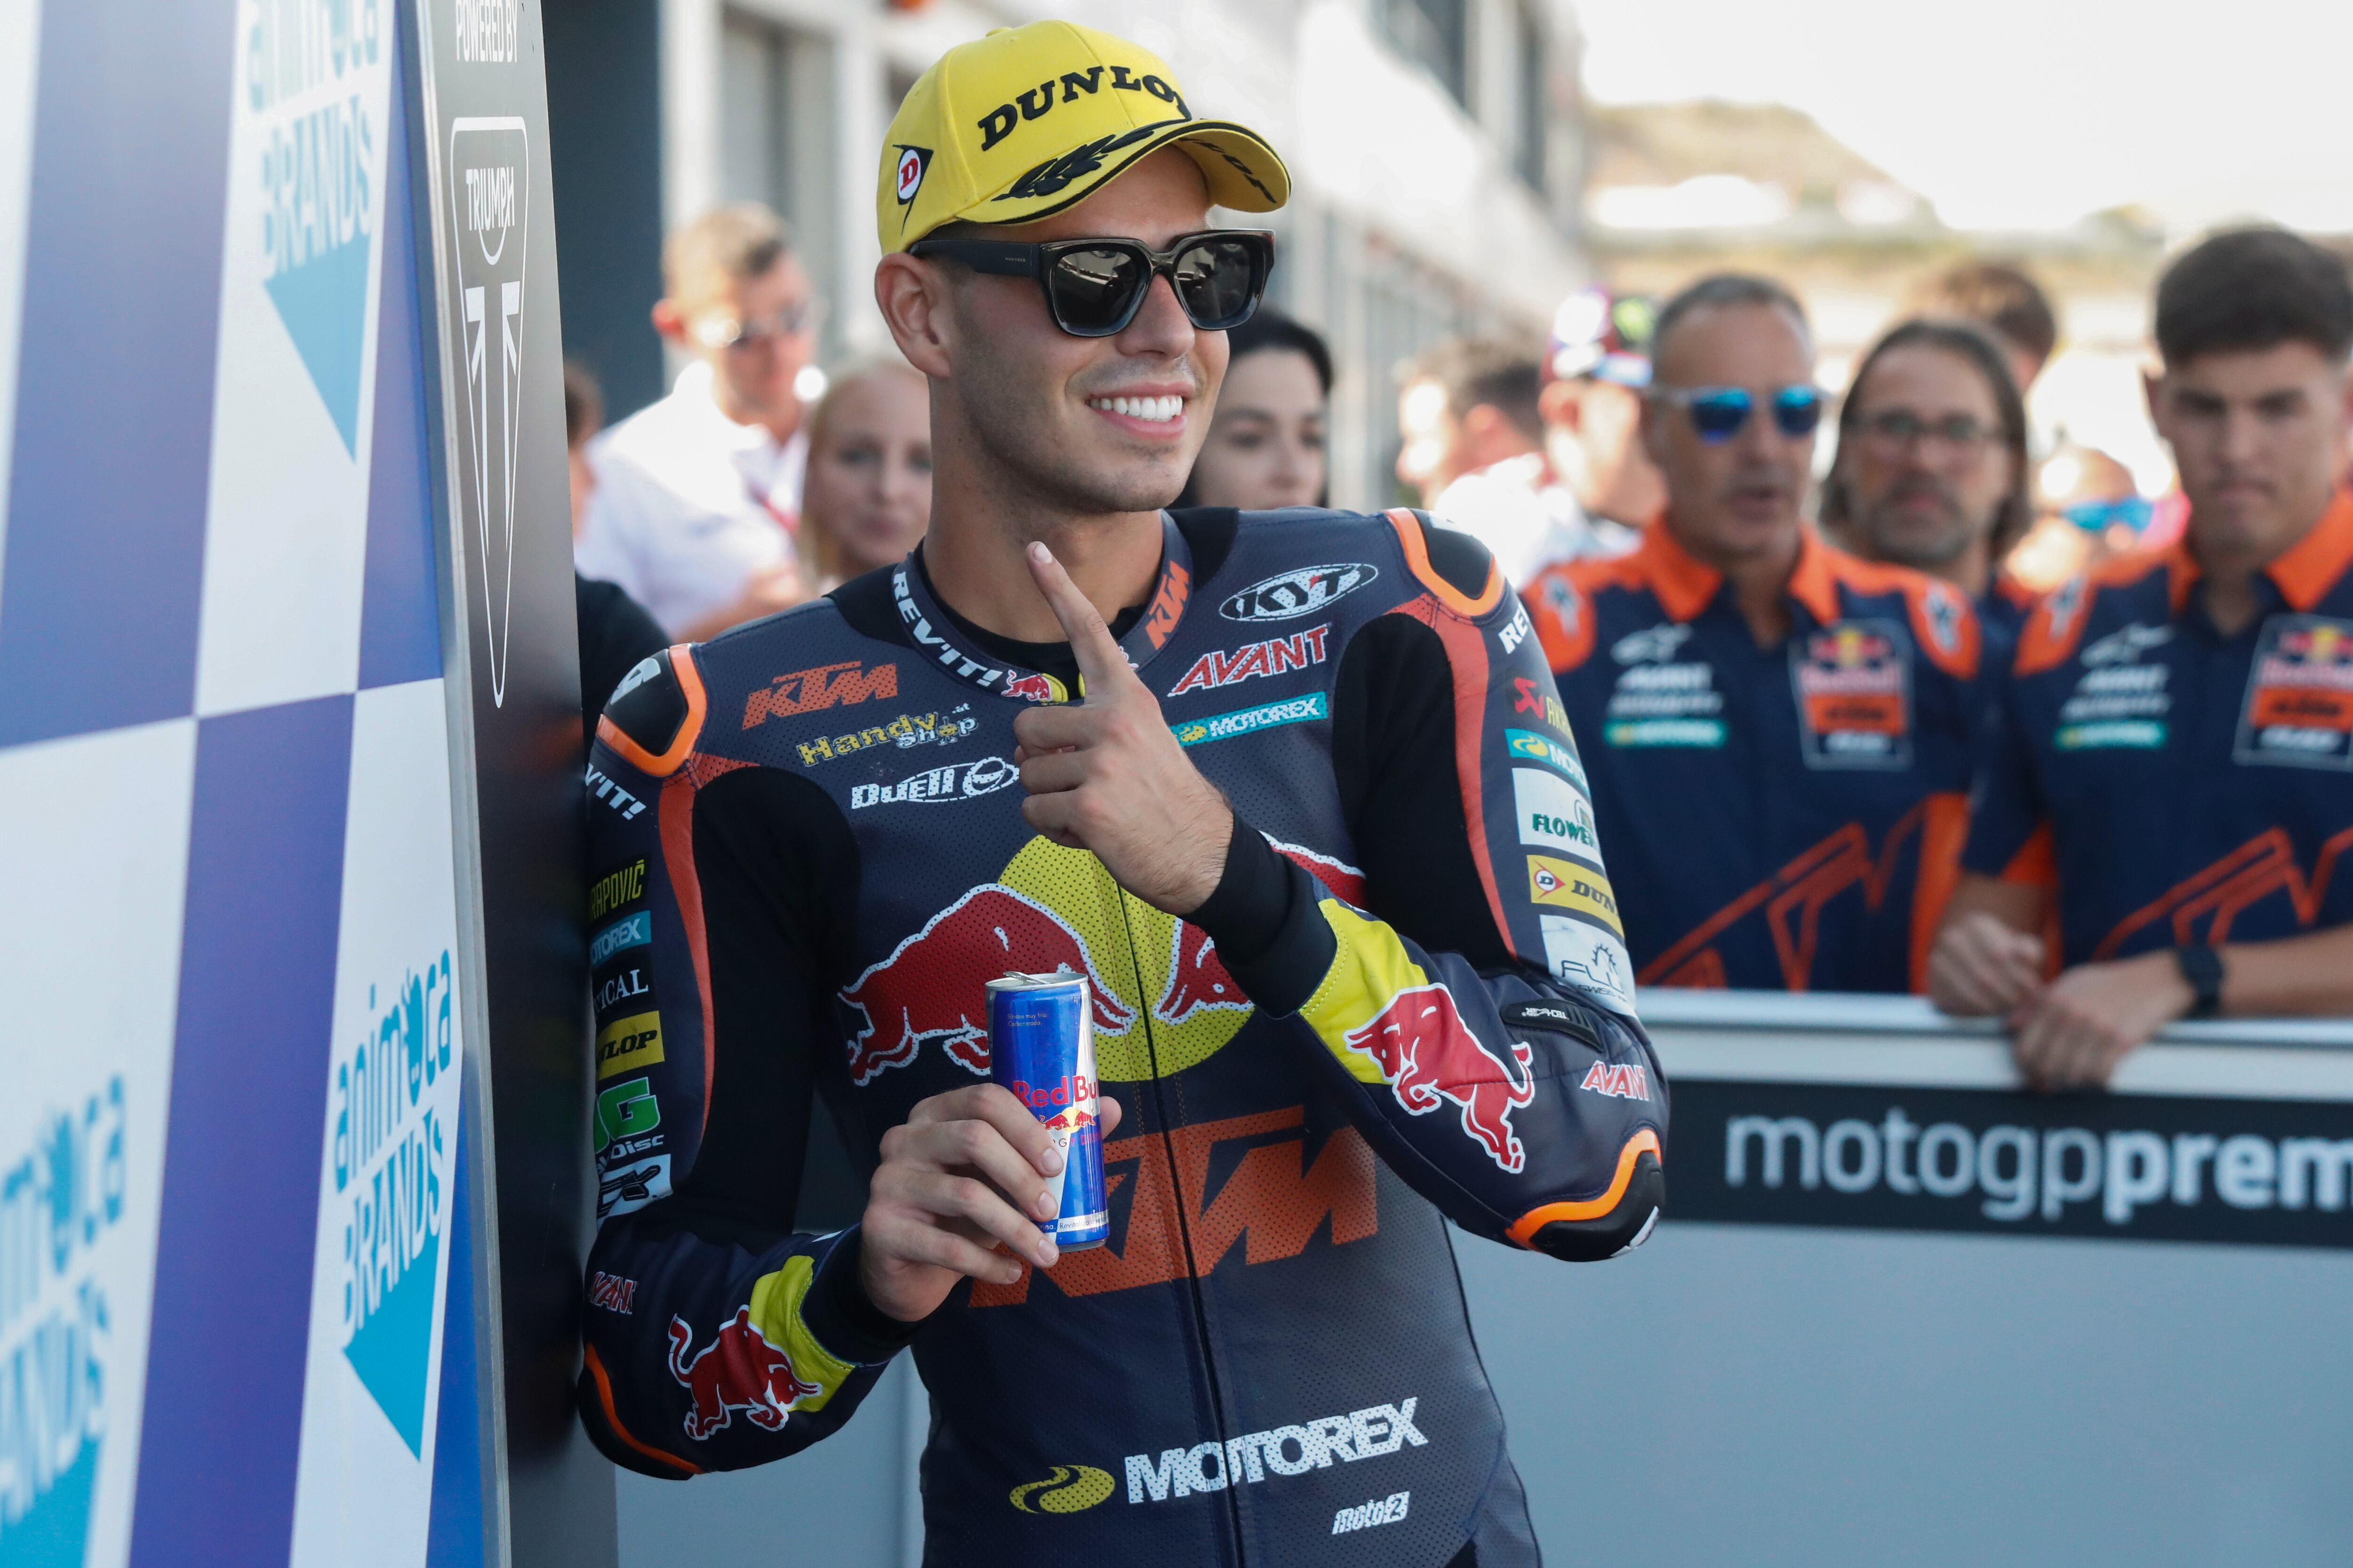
[1273, 657]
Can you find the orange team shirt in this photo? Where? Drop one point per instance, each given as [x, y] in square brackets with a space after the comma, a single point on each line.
[1782, 817]
[2183, 786]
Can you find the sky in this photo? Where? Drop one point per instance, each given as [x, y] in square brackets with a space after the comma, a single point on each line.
[2020, 114]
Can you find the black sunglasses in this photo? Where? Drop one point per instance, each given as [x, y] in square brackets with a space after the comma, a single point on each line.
[1095, 286]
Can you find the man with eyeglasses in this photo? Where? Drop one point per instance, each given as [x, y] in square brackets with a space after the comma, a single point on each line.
[1352, 963]
[1779, 733]
[698, 497]
[2175, 740]
[1931, 470]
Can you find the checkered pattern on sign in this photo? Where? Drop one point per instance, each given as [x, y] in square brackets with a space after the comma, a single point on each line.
[229, 928]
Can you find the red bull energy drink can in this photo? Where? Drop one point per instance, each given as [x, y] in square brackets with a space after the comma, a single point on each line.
[1041, 1047]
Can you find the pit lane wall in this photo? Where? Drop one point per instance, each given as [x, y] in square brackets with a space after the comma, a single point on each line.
[247, 721]
[1902, 1311]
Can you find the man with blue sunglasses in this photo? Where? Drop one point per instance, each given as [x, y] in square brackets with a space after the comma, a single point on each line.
[1779, 734]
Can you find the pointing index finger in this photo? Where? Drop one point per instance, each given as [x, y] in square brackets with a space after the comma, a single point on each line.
[1101, 659]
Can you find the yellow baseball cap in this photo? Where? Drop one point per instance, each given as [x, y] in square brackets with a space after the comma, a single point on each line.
[1027, 121]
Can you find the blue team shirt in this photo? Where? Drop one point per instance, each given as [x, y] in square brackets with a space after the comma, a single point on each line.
[2194, 787]
[1786, 818]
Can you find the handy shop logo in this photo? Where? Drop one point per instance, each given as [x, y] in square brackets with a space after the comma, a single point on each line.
[59, 1200]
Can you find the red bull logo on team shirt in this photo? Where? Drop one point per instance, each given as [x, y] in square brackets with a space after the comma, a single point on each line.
[2299, 701]
[1854, 684]
[738, 1370]
[1849, 647]
[2323, 644]
[1429, 1055]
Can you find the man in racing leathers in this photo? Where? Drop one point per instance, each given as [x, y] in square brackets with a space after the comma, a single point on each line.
[1316, 836]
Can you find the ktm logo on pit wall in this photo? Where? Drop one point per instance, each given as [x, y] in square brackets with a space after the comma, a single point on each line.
[828, 686]
[1273, 1202]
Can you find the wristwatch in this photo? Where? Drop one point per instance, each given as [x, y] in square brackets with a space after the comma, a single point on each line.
[2202, 967]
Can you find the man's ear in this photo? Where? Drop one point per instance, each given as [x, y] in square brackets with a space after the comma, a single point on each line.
[2152, 391]
[912, 296]
[1560, 406]
[670, 321]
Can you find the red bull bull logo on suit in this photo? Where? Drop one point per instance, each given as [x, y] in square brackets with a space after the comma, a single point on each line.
[738, 1370]
[1429, 1055]
[932, 987]
[1054, 910]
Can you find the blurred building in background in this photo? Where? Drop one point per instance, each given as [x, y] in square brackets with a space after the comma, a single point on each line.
[1677, 189]
[1436, 146]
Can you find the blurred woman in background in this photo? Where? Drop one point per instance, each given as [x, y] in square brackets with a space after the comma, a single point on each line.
[868, 496]
[1265, 448]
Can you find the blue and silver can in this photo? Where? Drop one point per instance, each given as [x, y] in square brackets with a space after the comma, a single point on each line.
[1041, 1046]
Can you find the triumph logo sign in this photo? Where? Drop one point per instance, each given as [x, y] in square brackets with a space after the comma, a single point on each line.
[489, 172]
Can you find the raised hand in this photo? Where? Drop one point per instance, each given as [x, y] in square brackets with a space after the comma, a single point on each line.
[1106, 775]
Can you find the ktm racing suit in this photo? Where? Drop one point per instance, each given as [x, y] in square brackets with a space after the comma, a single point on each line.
[1406, 1001]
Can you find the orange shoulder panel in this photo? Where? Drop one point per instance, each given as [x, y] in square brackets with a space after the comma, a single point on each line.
[690, 728]
[1416, 560]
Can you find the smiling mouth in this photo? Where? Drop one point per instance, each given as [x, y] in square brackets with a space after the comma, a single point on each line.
[1151, 410]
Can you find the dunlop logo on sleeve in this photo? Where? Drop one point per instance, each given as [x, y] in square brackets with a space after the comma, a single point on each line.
[629, 1045]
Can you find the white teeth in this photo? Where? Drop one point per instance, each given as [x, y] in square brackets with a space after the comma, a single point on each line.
[1154, 410]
